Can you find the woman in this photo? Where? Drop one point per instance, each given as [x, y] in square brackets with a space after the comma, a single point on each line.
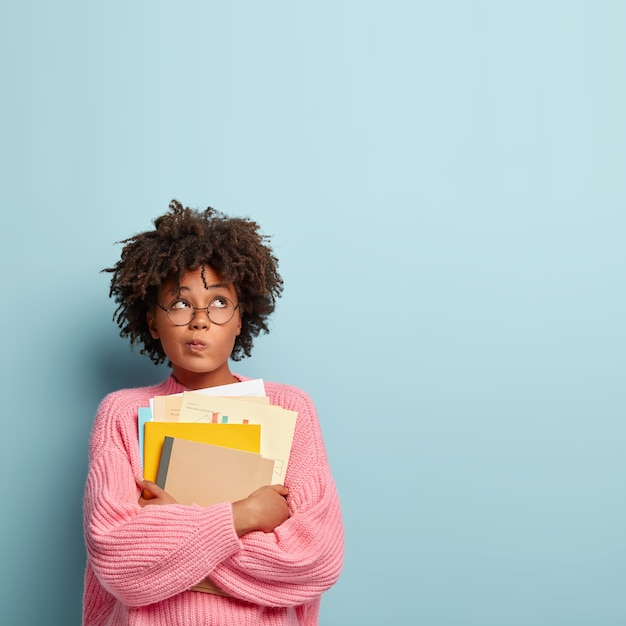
[195, 291]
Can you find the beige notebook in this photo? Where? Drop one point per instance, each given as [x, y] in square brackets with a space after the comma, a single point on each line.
[204, 474]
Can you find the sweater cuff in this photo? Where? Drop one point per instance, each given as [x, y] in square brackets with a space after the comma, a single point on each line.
[218, 538]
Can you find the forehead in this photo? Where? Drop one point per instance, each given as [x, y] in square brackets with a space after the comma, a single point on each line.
[202, 280]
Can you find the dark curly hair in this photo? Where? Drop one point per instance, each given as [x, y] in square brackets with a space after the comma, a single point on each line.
[186, 239]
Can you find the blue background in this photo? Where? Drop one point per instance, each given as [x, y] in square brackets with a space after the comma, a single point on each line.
[444, 183]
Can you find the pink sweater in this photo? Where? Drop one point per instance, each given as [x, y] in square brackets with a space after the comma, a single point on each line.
[142, 561]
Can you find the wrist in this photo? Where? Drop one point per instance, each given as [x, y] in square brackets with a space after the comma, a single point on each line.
[243, 517]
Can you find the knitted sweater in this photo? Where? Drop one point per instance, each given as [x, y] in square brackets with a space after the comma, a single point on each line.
[141, 562]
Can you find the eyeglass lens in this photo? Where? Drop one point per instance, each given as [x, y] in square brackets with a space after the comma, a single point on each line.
[220, 311]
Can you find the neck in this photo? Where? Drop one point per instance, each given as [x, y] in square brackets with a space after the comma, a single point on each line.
[203, 380]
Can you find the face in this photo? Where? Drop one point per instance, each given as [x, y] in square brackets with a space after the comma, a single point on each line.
[199, 350]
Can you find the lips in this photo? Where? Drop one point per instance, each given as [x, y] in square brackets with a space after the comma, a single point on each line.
[196, 346]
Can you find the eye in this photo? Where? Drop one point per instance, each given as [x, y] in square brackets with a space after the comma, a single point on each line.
[220, 302]
[179, 305]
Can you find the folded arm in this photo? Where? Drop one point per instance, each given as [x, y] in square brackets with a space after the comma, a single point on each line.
[296, 563]
[146, 554]
[303, 556]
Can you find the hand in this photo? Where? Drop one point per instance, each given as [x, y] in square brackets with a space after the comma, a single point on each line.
[264, 509]
[152, 493]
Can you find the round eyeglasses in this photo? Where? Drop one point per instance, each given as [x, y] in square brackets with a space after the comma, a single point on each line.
[180, 312]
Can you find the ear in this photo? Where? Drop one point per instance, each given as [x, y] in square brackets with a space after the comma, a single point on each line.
[152, 325]
[238, 324]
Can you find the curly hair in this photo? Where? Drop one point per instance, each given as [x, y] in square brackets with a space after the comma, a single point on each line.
[186, 239]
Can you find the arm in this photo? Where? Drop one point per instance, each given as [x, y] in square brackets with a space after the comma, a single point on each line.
[302, 558]
[264, 509]
[144, 554]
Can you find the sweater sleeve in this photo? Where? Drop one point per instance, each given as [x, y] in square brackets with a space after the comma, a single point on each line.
[303, 557]
[144, 555]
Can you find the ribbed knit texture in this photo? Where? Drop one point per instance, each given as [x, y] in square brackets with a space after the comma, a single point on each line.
[142, 561]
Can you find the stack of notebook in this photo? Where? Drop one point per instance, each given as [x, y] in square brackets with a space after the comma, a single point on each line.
[204, 448]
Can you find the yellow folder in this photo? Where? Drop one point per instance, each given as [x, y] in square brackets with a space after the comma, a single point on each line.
[245, 437]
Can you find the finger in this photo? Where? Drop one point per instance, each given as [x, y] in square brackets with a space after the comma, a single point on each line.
[143, 493]
[280, 490]
[148, 486]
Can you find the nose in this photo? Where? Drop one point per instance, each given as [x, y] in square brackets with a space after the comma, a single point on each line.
[200, 319]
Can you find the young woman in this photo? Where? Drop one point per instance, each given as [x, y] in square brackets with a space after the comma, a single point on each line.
[195, 291]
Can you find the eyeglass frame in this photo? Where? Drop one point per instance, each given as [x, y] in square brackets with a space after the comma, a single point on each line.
[198, 308]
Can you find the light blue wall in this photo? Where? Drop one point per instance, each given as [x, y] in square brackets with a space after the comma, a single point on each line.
[445, 187]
